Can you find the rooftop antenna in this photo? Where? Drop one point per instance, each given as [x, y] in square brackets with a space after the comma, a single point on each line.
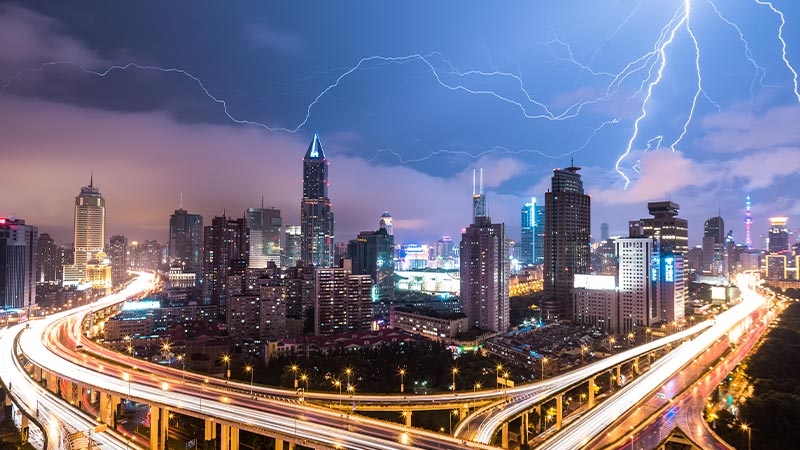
[91, 179]
[262, 202]
[481, 186]
[181, 201]
[473, 182]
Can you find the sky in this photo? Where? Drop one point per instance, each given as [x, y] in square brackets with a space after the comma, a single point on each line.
[216, 103]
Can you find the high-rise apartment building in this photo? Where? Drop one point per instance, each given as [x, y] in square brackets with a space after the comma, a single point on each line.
[638, 266]
[671, 230]
[714, 246]
[778, 235]
[18, 255]
[316, 218]
[186, 240]
[225, 248]
[372, 253]
[342, 301]
[604, 231]
[485, 269]
[265, 236]
[117, 253]
[566, 241]
[90, 222]
[50, 260]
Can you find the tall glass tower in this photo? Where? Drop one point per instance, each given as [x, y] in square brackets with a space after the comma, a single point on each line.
[316, 218]
[90, 223]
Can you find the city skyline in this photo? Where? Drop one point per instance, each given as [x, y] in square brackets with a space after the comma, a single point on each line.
[149, 137]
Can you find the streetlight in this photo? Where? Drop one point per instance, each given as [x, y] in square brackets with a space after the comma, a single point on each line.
[351, 389]
[182, 359]
[304, 378]
[584, 349]
[631, 437]
[630, 338]
[348, 371]
[227, 360]
[338, 384]
[648, 332]
[611, 341]
[544, 361]
[252, 370]
[165, 348]
[127, 377]
[497, 374]
[454, 372]
[402, 378]
[452, 413]
[747, 428]
[294, 371]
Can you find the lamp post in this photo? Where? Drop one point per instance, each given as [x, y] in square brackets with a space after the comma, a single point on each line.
[454, 372]
[631, 437]
[227, 360]
[747, 428]
[631, 335]
[338, 384]
[252, 370]
[304, 378]
[649, 334]
[182, 359]
[497, 375]
[611, 341]
[351, 389]
[348, 371]
[452, 413]
[166, 348]
[294, 372]
[127, 377]
[402, 380]
[544, 361]
[584, 350]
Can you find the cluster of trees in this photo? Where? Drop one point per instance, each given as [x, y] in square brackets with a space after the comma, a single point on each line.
[773, 411]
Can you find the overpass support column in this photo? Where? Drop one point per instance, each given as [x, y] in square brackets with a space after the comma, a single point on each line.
[155, 425]
[407, 417]
[504, 435]
[37, 373]
[617, 374]
[523, 428]
[279, 444]
[164, 429]
[462, 413]
[52, 382]
[234, 439]
[538, 410]
[559, 410]
[23, 427]
[103, 407]
[225, 437]
[636, 366]
[210, 433]
[590, 403]
[7, 403]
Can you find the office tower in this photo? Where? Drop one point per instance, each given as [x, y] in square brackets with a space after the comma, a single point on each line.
[485, 269]
[604, 231]
[672, 231]
[341, 302]
[778, 235]
[50, 260]
[638, 267]
[90, 222]
[186, 240]
[748, 221]
[538, 234]
[671, 287]
[386, 222]
[714, 246]
[372, 253]
[146, 255]
[117, 252]
[18, 255]
[316, 218]
[225, 247]
[566, 241]
[339, 253]
[526, 246]
[444, 247]
[293, 253]
[265, 236]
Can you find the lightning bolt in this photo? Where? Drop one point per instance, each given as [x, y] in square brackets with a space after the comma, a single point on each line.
[783, 44]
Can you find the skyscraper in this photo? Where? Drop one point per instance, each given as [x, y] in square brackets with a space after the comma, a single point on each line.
[186, 240]
[386, 222]
[225, 245]
[714, 246]
[372, 253]
[778, 235]
[638, 273]
[265, 236]
[671, 230]
[538, 234]
[528, 220]
[50, 260]
[566, 241]
[604, 231]
[18, 255]
[485, 268]
[316, 218]
[292, 253]
[90, 222]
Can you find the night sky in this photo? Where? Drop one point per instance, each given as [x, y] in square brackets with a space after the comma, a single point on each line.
[407, 102]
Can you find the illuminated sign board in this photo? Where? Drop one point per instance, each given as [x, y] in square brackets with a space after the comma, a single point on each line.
[669, 270]
[599, 282]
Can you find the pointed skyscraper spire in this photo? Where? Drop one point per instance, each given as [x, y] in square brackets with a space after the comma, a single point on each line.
[315, 149]
[91, 179]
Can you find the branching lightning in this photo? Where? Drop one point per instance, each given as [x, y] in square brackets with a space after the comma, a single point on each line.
[636, 82]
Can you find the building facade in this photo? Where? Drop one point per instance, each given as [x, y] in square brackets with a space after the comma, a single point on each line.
[665, 225]
[225, 248]
[372, 253]
[89, 226]
[778, 235]
[186, 240]
[566, 241]
[342, 301]
[117, 252]
[485, 269]
[18, 261]
[265, 236]
[50, 260]
[316, 217]
[714, 246]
